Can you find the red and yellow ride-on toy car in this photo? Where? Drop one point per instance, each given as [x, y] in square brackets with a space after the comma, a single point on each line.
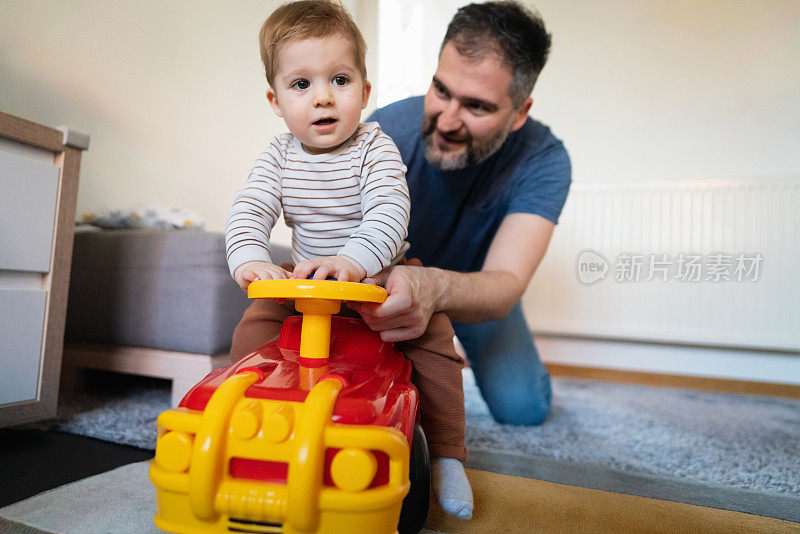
[317, 432]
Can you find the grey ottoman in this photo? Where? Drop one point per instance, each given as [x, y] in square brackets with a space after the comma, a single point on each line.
[153, 302]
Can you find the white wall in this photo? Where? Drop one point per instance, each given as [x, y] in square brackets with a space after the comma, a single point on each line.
[172, 92]
[674, 89]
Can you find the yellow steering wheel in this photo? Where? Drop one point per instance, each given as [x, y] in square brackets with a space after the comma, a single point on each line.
[317, 300]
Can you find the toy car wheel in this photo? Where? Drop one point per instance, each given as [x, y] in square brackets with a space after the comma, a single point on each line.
[415, 505]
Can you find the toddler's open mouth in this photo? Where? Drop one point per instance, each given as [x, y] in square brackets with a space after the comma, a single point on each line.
[323, 122]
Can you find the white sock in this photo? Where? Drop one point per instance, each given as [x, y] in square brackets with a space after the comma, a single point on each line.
[452, 487]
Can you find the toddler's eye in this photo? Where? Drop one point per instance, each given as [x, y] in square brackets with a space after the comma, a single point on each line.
[301, 84]
[340, 80]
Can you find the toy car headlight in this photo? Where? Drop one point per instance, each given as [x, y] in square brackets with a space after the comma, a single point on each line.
[278, 424]
[353, 469]
[174, 451]
[246, 421]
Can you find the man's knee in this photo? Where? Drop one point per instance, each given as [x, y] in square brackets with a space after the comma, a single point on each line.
[519, 400]
[526, 408]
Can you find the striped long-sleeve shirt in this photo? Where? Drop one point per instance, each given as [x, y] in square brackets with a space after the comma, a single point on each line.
[353, 201]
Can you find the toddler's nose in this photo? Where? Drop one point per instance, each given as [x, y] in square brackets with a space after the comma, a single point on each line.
[323, 97]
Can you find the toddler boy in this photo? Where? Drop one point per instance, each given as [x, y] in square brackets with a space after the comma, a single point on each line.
[341, 186]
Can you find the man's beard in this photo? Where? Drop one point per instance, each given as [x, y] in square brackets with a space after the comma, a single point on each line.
[473, 153]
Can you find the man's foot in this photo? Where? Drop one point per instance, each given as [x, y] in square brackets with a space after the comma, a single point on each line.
[452, 487]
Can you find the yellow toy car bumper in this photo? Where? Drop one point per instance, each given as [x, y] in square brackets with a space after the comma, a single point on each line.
[196, 491]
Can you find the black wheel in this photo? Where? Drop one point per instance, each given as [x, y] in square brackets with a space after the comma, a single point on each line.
[415, 505]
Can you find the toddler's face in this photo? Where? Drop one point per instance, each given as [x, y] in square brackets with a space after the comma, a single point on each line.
[319, 92]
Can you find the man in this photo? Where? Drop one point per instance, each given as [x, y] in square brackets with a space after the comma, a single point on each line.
[487, 185]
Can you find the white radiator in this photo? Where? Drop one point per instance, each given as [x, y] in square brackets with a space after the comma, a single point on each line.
[719, 265]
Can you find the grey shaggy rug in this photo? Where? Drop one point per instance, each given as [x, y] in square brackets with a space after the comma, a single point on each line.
[737, 441]
[720, 439]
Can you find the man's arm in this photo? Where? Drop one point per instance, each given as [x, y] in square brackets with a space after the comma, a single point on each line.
[416, 293]
[491, 293]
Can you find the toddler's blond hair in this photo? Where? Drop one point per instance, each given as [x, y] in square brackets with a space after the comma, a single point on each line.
[308, 19]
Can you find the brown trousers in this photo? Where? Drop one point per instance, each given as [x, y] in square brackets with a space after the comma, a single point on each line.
[436, 370]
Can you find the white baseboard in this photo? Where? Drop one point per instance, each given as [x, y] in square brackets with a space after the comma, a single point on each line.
[183, 368]
[771, 367]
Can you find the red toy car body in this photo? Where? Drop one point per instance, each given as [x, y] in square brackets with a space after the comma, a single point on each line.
[376, 393]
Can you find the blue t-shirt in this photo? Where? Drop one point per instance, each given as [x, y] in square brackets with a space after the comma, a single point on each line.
[456, 214]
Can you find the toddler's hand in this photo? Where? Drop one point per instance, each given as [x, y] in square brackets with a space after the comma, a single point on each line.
[258, 270]
[341, 267]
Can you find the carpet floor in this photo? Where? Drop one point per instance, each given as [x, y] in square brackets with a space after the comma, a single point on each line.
[723, 440]
[122, 501]
[33, 461]
[720, 439]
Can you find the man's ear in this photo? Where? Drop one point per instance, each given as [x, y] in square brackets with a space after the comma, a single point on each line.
[272, 98]
[366, 93]
[521, 114]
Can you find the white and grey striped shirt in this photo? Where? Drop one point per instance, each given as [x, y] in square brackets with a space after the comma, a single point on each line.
[353, 201]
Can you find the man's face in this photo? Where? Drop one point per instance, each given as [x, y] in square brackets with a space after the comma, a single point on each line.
[468, 110]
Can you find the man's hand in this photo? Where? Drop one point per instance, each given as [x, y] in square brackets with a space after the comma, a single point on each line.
[258, 270]
[411, 302]
[342, 268]
[416, 292]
